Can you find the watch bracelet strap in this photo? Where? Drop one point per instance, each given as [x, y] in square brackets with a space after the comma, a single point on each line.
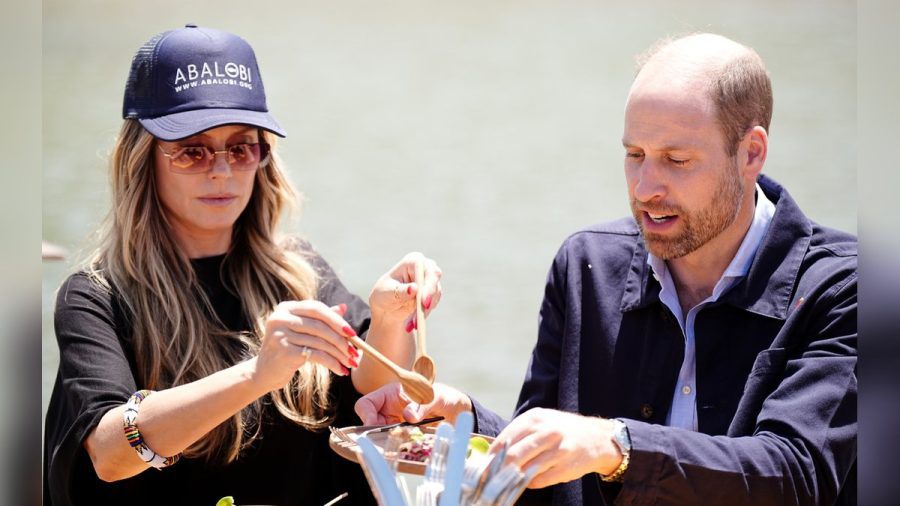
[617, 475]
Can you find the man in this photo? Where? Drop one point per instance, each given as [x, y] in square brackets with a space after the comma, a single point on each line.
[703, 352]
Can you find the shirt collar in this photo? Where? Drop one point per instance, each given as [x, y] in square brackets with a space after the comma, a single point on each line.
[768, 284]
[740, 263]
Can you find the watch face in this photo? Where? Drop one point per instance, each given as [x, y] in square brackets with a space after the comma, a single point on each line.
[621, 437]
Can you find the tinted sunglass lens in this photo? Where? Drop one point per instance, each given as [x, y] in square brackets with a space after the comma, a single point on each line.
[191, 158]
[243, 156]
[197, 159]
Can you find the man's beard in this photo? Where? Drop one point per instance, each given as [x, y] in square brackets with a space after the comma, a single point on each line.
[699, 227]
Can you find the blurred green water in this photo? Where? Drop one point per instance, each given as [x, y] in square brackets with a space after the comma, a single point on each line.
[480, 133]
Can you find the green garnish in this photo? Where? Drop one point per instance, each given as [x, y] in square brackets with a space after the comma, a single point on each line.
[478, 444]
[416, 435]
[226, 501]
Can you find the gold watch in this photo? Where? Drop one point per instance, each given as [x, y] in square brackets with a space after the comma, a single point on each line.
[622, 441]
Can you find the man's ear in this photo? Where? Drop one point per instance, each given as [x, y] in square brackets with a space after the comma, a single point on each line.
[756, 147]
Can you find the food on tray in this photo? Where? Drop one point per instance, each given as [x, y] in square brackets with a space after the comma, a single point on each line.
[416, 446]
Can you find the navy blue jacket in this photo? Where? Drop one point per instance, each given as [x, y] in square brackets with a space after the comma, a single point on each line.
[776, 368]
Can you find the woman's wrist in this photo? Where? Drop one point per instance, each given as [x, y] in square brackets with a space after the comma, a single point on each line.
[386, 320]
[249, 374]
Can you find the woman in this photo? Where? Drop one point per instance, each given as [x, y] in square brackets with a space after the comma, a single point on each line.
[193, 331]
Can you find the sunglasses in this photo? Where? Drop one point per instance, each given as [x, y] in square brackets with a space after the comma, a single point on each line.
[197, 159]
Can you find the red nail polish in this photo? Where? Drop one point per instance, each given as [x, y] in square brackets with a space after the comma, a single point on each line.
[349, 331]
[345, 371]
[415, 324]
[352, 351]
[409, 327]
[353, 362]
[409, 290]
[427, 303]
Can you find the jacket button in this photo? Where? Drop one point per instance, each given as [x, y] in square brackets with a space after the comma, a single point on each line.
[646, 411]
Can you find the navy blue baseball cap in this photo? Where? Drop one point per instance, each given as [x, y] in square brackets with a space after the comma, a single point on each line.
[188, 80]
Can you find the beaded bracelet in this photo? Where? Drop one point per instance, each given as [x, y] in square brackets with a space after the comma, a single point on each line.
[133, 435]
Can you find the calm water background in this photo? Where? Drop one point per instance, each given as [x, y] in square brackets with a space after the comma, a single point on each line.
[481, 133]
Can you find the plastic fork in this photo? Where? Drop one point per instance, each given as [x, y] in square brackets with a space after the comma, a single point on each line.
[343, 436]
[427, 493]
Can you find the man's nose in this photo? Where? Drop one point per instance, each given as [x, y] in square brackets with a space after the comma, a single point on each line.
[650, 184]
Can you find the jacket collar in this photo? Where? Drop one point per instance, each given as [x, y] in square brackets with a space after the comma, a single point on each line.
[768, 286]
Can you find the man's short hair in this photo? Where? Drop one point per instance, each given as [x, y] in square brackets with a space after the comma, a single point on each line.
[740, 90]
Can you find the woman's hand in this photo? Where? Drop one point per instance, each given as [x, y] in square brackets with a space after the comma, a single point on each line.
[393, 298]
[302, 331]
[393, 306]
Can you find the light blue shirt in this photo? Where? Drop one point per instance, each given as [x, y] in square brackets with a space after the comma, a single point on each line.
[683, 412]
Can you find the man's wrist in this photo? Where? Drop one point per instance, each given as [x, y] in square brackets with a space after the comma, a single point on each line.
[608, 457]
[619, 440]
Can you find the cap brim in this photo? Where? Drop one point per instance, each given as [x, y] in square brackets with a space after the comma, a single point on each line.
[185, 124]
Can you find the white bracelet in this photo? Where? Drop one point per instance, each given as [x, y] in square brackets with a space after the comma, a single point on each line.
[133, 435]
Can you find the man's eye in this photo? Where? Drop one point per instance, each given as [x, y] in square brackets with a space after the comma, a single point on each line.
[676, 161]
[633, 155]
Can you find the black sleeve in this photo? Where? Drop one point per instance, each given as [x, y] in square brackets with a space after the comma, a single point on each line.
[94, 376]
[331, 291]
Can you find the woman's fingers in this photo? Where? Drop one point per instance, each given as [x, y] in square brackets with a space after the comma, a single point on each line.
[317, 319]
[430, 282]
[341, 310]
[395, 292]
[431, 301]
[341, 355]
[431, 285]
[320, 357]
[319, 311]
[410, 323]
[318, 329]
[314, 325]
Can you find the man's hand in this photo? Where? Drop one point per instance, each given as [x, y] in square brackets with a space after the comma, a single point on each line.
[389, 404]
[564, 446]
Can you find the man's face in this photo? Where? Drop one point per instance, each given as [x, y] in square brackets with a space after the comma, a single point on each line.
[684, 189]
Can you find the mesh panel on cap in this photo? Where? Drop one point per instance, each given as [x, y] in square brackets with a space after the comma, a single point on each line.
[140, 88]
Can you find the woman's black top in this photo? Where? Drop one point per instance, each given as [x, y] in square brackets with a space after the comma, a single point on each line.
[287, 465]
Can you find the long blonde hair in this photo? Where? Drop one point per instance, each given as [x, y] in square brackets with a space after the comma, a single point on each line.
[176, 336]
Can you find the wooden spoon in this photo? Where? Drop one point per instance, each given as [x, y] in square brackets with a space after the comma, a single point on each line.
[424, 364]
[415, 385]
